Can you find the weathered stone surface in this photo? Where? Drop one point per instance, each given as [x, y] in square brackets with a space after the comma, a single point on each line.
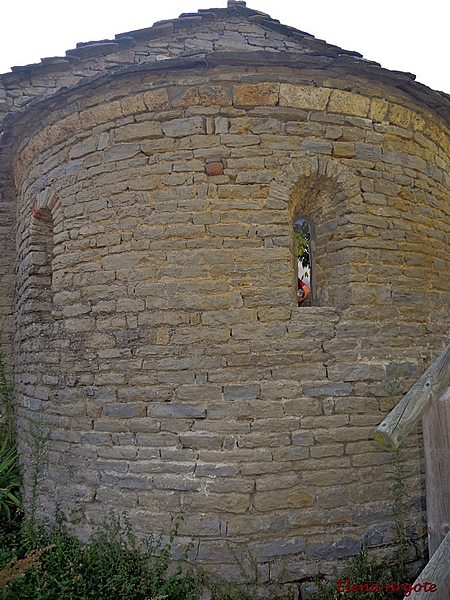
[124, 411]
[294, 497]
[348, 103]
[304, 96]
[256, 94]
[153, 309]
[240, 392]
[121, 152]
[183, 127]
[146, 130]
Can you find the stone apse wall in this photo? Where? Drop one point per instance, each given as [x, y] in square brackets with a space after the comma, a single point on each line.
[156, 323]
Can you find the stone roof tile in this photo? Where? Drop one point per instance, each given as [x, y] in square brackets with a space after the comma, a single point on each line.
[82, 59]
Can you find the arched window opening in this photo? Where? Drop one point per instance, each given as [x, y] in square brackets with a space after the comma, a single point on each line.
[34, 279]
[42, 254]
[302, 236]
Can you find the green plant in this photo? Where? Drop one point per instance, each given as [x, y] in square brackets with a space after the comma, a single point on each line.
[10, 480]
[16, 568]
[302, 236]
[401, 499]
[10, 472]
[110, 565]
[400, 508]
[363, 572]
[39, 432]
[251, 583]
[6, 408]
[363, 569]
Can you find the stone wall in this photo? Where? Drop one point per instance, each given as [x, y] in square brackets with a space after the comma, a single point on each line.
[178, 373]
[156, 317]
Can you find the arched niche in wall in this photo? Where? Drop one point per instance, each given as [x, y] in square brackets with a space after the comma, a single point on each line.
[326, 195]
[34, 292]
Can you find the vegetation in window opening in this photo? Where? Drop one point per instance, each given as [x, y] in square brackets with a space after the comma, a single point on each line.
[302, 236]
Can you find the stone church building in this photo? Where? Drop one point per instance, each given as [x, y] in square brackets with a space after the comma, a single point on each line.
[148, 277]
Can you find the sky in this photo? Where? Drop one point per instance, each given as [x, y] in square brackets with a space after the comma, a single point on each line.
[398, 34]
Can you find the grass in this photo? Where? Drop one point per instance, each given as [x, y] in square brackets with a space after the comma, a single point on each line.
[371, 579]
[110, 565]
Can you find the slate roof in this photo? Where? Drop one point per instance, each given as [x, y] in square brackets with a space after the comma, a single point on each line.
[160, 47]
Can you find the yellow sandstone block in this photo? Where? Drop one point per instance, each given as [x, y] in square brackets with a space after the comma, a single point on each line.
[48, 137]
[398, 115]
[156, 99]
[343, 149]
[205, 95]
[378, 110]
[302, 96]
[133, 105]
[215, 95]
[348, 103]
[256, 94]
[162, 337]
[100, 114]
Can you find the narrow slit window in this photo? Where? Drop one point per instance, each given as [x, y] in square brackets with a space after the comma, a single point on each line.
[302, 237]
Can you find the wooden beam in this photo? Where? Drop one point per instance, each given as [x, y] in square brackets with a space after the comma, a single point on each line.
[404, 417]
[434, 573]
[436, 442]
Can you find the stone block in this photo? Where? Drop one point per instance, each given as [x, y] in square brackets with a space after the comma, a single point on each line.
[133, 105]
[307, 97]
[176, 482]
[158, 440]
[183, 127]
[211, 503]
[216, 470]
[294, 497]
[356, 372]
[127, 482]
[124, 411]
[201, 440]
[317, 146]
[368, 152]
[317, 389]
[302, 438]
[156, 99]
[378, 109]
[175, 410]
[121, 152]
[339, 549]
[256, 94]
[198, 392]
[399, 115]
[343, 150]
[348, 103]
[241, 392]
[138, 131]
[278, 547]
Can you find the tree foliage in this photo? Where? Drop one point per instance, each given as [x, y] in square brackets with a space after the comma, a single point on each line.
[302, 235]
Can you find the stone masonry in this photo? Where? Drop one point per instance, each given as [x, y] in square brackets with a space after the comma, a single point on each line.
[149, 186]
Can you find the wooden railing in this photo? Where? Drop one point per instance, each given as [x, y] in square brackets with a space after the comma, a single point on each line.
[429, 399]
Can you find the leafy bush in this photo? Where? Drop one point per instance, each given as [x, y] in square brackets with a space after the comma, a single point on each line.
[362, 571]
[10, 472]
[109, 565]
[10, 480]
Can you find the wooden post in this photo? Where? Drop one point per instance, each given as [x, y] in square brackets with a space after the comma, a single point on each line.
[436, 441]
[408, 412]
[435, 573]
